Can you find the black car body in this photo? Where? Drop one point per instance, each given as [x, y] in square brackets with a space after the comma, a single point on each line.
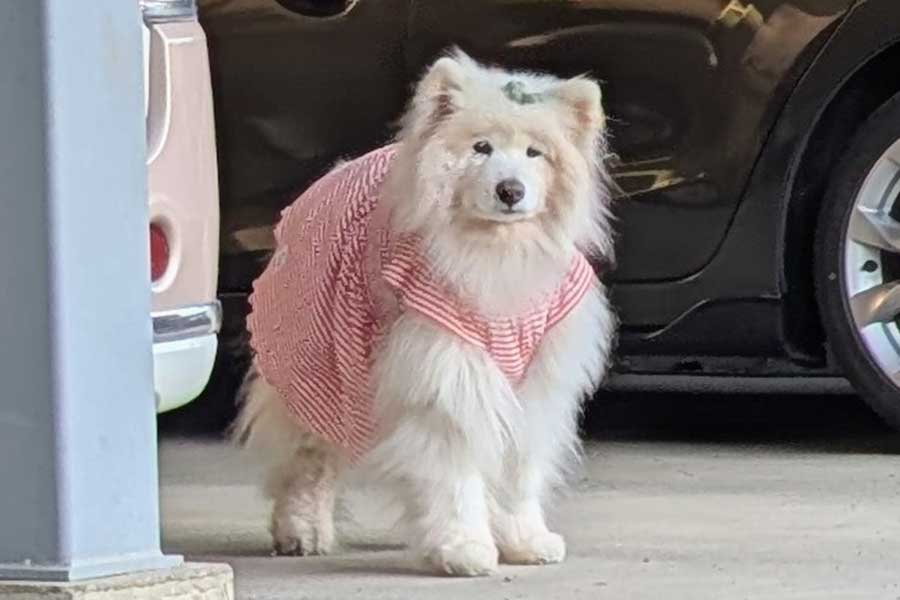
[725, 120]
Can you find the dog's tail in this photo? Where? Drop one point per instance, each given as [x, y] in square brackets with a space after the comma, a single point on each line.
[264, 423]
[265, 428]
[240, 430]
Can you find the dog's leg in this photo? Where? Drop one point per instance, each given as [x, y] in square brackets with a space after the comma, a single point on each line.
[303, 490]
[443, 492]
[571, 359]
[302, 474]
[520, 531]
[533, 467]
[451, 524]
[441, 439]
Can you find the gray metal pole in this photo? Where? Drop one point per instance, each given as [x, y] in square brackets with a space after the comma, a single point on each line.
[78, 471]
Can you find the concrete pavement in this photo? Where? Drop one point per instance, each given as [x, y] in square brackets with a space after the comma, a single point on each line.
[783, 515]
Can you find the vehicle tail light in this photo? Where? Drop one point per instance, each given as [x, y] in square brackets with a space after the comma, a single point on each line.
[159, 252]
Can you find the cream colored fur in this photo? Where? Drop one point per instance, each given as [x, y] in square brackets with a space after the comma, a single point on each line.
[473, 458]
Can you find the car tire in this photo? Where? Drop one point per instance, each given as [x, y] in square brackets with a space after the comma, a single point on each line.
[848, 263]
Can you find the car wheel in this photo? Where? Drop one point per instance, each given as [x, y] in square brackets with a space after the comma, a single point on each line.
[857, 255]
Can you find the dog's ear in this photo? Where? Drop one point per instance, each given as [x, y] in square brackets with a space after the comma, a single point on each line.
[443, 77]
[439, 93]
[584, 99]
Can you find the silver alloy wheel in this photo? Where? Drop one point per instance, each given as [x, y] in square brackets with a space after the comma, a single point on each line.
[873, 235]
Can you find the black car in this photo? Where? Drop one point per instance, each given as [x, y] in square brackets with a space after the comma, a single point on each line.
[757, 148]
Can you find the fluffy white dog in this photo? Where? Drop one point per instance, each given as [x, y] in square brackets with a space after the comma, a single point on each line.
[429, 317]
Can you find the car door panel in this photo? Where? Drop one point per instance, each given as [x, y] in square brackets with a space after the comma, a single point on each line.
[294, 94]
[690, 101]
[686, 117]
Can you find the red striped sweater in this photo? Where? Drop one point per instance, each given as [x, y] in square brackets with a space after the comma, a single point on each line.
[335, 284]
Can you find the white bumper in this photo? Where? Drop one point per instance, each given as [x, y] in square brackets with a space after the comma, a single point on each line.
[184, 350]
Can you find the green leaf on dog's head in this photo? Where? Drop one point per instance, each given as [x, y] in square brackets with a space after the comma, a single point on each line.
[515, 91]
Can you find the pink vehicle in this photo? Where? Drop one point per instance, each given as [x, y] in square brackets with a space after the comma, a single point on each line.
[183, 200]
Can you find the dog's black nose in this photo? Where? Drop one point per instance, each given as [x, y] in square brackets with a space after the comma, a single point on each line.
[510, 191]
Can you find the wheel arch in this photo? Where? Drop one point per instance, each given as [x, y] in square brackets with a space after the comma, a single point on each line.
[868, 84]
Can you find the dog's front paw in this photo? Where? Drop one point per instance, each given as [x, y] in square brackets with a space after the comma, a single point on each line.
[465, 557]
[541, 549]
[298, 536]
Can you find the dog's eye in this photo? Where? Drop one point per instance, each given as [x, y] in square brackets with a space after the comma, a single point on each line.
[533, 152]
[482, 147]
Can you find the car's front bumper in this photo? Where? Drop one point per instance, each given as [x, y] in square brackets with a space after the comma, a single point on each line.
[184, 350]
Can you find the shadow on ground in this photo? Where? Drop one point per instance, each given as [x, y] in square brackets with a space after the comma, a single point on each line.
[811, 423]
[808, 423]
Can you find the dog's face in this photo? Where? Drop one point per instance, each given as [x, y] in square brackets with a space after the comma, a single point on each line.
[506, 156]
[503, 172]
